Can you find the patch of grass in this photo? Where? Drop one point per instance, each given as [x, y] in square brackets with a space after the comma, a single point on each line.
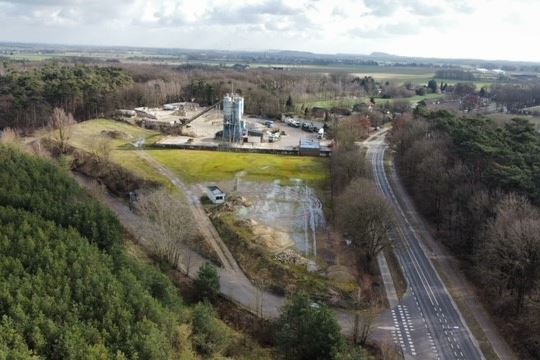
[201, 166]
[397, 275]
[350, 102]
[88, 134]
[480, 83]
[340, 103]
[129, 160]
[413, 99]
[29, 57]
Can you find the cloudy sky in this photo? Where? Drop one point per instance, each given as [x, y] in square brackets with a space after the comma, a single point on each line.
[487, 29]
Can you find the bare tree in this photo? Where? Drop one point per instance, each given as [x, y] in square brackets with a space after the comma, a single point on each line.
[512, 249]
[364, 217]
[363, 321]
[350, 130]
[167, 225]
[347, 165]
[60, 126]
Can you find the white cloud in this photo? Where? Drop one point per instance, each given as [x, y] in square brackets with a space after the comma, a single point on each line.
[443, 28]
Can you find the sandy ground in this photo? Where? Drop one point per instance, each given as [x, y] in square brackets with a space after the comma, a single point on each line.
[292, 210]
[287, 216]
[291, 217]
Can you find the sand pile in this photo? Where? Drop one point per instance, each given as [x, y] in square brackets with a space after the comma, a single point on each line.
[274, 240]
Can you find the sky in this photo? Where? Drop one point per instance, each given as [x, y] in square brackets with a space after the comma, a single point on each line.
[480, 29]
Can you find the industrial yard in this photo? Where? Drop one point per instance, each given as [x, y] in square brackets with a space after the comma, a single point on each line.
[223, 125]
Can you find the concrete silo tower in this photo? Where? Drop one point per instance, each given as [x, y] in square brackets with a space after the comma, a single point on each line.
[234, 127]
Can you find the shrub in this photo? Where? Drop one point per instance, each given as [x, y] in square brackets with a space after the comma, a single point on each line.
[306, 330]
[207, 283]
[210, 336]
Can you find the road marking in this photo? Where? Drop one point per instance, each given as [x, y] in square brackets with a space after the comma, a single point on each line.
[412, 248]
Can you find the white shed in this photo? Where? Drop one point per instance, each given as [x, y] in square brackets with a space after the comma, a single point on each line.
[216, 195]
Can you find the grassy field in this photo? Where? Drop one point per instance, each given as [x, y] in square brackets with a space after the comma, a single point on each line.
[200, 166]
[413, 99]
[341, 103]
[417, 79]
[194, 166]
[350, 102]
[479, 83]
[86, 134]
[89, 134]
[29, 57]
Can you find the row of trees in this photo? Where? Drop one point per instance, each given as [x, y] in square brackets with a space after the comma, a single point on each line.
[478, 184]
[360, 212]
[454, 74]
[516, 97]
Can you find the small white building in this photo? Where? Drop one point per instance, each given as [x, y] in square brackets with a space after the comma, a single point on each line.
[216, 195]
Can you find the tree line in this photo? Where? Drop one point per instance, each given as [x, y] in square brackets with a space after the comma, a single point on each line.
[360, 212]
[516, 96]
[28, 97]
[30, 92]
[478, 183]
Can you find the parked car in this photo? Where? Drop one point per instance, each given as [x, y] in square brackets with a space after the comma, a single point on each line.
[269, 124]
[274, 137]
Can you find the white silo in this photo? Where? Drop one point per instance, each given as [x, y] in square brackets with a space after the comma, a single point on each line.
[233, 125]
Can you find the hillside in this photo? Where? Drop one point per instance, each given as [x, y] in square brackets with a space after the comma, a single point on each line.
[68, 288]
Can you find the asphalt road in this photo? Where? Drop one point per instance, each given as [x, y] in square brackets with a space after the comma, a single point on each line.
[427, 323]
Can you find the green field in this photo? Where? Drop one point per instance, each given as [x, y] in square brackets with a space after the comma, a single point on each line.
[195, 166]
[201, 166]
[88, 134]
[350, 102]
[341, 103]
[31, 56]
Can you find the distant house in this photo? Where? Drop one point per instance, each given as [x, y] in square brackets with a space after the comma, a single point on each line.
[216, 195]
[240, 67]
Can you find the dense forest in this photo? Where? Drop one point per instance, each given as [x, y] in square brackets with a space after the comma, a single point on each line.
[27, 97]
[479, 184]
[69, 290]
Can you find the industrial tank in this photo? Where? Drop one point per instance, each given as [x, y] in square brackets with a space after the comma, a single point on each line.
[234, 127]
